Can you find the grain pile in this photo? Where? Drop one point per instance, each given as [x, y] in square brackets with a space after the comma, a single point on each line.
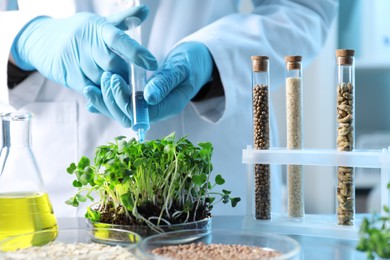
[201, 251]
[80, 251]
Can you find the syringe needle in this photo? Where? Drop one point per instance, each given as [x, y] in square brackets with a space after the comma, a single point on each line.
[141, 135]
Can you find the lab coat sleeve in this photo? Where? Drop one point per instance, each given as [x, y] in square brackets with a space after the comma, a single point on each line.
[275, 28]
[11, 23]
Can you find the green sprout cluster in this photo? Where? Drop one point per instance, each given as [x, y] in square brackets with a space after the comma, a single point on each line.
[172, 176]
[375, 235]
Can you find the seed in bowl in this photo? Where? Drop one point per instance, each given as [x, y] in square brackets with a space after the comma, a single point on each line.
[200, 251]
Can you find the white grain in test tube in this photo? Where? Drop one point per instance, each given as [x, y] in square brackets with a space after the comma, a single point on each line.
[294, 141]
[294, 113]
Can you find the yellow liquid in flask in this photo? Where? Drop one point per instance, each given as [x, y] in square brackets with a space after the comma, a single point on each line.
[22, 213]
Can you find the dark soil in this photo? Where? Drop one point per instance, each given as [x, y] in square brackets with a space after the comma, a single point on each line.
[111, 216]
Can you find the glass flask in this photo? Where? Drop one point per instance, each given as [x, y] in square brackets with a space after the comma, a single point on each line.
[294, 116]
[345, 134]
[261, 134]
[24, 204]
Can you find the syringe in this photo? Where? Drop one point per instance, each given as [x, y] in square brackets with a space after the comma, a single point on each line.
[138, 80]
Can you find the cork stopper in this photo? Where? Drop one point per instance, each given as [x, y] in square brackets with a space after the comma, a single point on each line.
[293, 62]
[259, 63]
[344, 56]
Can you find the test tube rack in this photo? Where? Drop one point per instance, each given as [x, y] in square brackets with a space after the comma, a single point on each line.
[312, 224]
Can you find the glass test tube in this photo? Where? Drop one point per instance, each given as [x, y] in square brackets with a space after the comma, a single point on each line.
[138, 82]
[261, 134]
[294, 104]
[345, 134]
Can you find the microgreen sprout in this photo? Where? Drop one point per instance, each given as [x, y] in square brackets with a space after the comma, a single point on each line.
[375, 235]
[157, 182]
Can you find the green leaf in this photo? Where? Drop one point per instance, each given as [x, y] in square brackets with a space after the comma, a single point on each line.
[93, 215]
[81, 198]
[98, 180]
[225, 199]
[199, 179]
[84, 162]
[88, 171]
[72, 167]
[121, 146]
[364, 226]
[128, 201]
[227, 192]
[219, 180]
[362, 245]
[171, 137]
[118, 138]
[72, 201]
[170, 149]
[90, 197]
[210, 200]
[83, 179]
[77, 184]
[235, 201]
[139, 162]
[187, 206]
[206, 146]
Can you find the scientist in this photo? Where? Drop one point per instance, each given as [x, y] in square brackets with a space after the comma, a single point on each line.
[63, 66]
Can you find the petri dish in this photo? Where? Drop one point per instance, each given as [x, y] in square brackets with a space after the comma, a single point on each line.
[261, 245]
[146, 231]
[83, 243]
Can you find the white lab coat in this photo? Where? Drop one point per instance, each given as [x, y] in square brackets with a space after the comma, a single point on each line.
[63, 130]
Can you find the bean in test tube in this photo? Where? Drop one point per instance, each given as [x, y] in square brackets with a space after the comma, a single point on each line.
[138, 81]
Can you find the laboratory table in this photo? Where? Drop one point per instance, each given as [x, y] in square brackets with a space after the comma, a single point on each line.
[312, 247]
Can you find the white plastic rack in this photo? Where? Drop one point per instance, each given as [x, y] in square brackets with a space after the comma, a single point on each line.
[314, 224]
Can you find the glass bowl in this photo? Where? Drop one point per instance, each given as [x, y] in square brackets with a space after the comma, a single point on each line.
[101, 243]
[286, 247]
[146, 231]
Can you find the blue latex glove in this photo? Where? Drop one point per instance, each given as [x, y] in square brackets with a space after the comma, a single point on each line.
[112, 100]
[75, 51]
[186, 69]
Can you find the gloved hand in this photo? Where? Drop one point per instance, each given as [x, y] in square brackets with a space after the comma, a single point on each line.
[75, 51]
[186, 69]
[112, 100]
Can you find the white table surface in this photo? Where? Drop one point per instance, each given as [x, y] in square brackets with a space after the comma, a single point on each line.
[312, 247]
